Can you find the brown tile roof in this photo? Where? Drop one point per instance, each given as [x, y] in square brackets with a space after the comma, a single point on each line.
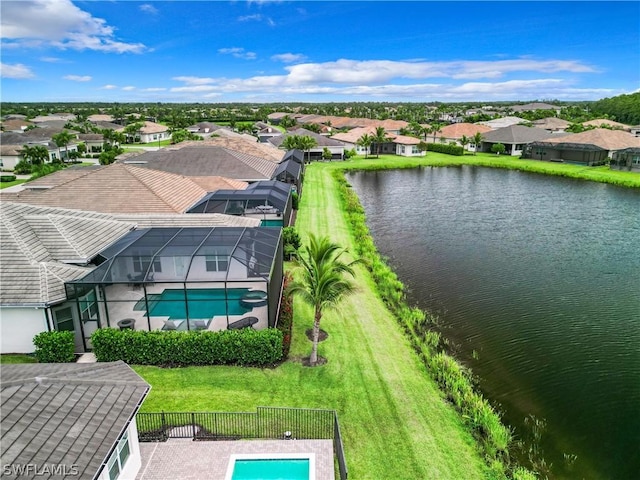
[354, 134]
[118, 188]
[602, 137]
[151, 127]
[15, 124]
[404, 140]
[241, 144]
[457, 130]
[390, 125]
[99, 117]
[610, 123]
[551, 123]
[214, 183]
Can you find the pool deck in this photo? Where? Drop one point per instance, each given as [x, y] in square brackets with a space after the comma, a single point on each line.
[185, 459]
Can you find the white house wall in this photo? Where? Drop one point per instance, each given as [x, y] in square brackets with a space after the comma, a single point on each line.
[18, 326]
[134, 462]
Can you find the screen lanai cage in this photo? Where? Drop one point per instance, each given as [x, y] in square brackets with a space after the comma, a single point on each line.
[268, 200]
[209, 278]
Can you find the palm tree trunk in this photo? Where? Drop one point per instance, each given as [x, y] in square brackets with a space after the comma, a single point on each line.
[313, 358]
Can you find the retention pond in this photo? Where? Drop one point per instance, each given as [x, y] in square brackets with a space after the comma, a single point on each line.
[536, 282]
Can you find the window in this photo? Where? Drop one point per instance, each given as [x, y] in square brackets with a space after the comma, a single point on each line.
[141, 264]
[218, 262]
[414, 150]
[64, 319]
[119, 457]
[88, 306]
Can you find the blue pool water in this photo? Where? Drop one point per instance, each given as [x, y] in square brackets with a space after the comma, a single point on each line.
[276, 469]
[202, 303]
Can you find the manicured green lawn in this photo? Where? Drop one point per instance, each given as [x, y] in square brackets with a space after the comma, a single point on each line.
[11, 184]
[394, 420]
[17, 358]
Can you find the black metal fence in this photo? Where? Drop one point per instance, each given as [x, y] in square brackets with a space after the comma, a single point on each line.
[266, 423]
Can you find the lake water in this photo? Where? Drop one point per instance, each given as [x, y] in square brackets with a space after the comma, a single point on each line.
[536, 281]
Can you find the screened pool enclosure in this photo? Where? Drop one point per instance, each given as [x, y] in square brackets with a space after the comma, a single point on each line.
[183, 279]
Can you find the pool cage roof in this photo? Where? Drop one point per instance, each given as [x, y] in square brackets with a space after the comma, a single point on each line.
[137, 256]
[234, 202]
[589, 147]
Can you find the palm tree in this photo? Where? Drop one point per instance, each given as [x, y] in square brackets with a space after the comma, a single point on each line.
[477, 139]
[291, 142]
[435, 128]
[365, 141]
[464, 141]
[35, 155]
[307, 142]
[320, 283]
[379, 137]
[63, 139]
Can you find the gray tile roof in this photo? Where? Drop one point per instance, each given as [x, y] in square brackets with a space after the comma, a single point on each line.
[323, 140]
[200, 161]
[43, 247]
[66, 414]
[516, 134]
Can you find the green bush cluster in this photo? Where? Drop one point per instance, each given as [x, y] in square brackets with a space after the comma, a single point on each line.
[54, 347]
[23, 168]
[246, 347]
[7, 178]
[445, 148]
[455, 381]
[285, 320]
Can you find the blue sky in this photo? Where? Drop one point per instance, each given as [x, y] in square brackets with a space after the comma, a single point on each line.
[277, 51]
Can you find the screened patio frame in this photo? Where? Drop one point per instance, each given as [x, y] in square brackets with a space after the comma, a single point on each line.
[184, 259]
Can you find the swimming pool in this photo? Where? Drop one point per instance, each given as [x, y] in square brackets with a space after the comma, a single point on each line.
[284, 466]
[201, 303]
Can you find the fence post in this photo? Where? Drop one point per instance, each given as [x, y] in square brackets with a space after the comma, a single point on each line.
[164, 428]
[193, 424]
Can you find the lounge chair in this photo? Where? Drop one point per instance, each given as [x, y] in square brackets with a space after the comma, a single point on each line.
[246, 322]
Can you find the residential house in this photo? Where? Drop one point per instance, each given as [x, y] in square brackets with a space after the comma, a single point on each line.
[606, 123]
[92, 141]
[515, 138]
[70, 420]
[532, 107]
[610, 141]
[552, 124]
[635, 130]
[455, 132]
[503, 122]
[55, 117]
[266, 131]
[350, 139]
[204, 129]
[14, 142]
[100, 117]
[43, 248]
[290, 170]
[199, 160]
[626, 159]
[407, 146]
[153, 132]
[335, 147]
[566, 152]
[10, 155]
[15, 125]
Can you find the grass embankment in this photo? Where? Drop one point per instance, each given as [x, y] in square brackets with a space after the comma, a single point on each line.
[17, 358]
[11, 184]
[395, 422]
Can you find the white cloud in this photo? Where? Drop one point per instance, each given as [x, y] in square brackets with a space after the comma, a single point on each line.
[17, 70]
[247, 18]
[59, 23]
[288, 57]
[148, 8]
[128, 88]
[78, 78]
[108, 87]
[194, 80]
[153, 89]
[238, 52]
[53, 60]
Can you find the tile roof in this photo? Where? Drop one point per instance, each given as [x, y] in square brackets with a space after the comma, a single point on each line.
[213, 183]
[116, 188]
[37, 240]
[250, 146]
[201, 159]
[604, 121]
[516, 134]
[405, 140]
[151, 127]
[67, 414]
[457, 130]
[551, 123]
[15, 124]
[534, 106]
[503, 122]
[323, 141]
[353, 135]
[602, 137]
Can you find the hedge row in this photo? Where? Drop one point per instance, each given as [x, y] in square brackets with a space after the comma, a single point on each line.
[246, 347]
[445, 148]
[285, 321]
[55, 347]
[7, 178]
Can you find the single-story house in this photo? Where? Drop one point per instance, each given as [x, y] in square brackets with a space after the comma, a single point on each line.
[204, 129]
[455, 132]
[15, 125]
[290, 169]
[93, 141]
[71, 420]
[153, 132]
[552, 124]
[515, 138]
[502, 122]
[37, 136]
[532, 107]
[626, 159]
[567, 152]
[74, 270]
[350, 139]
[407, 146]
[266, 131]
[610, 140]
[335, 147]
[606, 123]
[10, 155]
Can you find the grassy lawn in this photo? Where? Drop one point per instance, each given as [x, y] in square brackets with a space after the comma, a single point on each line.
[11, 184]
[17, 358]
[393, 418]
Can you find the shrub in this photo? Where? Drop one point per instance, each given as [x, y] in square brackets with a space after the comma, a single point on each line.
[226, 347]
[55, 347]
[291, 242]
[7, 178]
[285, 321]
[444, 148]
[295, 200]
[23, 168]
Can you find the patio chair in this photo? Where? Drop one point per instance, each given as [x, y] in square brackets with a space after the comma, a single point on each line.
[199, 325]
[169, 325]
[246, 322]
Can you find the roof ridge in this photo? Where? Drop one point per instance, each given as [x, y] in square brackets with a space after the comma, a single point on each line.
[63, 233]
[152, 174]
[19, 241]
